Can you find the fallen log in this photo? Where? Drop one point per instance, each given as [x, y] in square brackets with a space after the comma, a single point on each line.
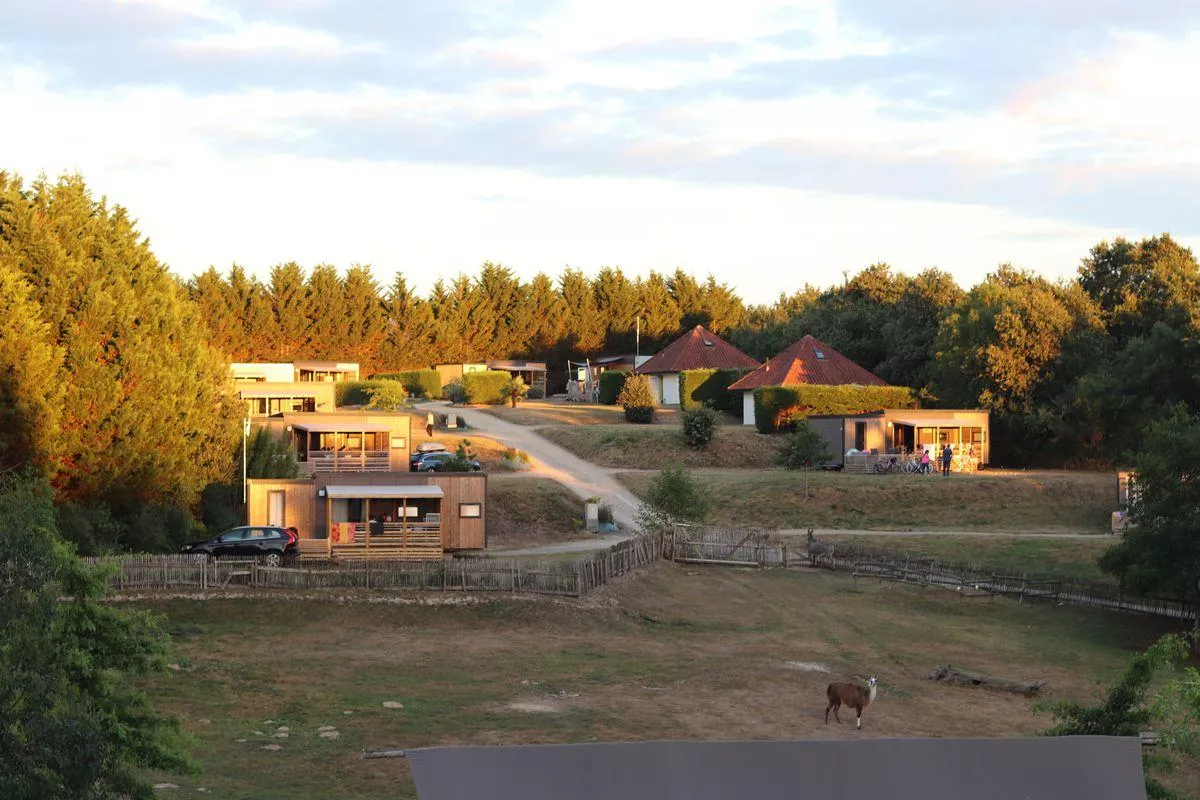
[955, 677]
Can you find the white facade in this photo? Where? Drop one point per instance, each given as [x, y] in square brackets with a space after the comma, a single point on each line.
[266, 372]
[665, 388]
[747, 408]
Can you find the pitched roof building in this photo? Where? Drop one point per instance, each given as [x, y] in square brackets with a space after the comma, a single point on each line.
[808, 361]
[699, 348]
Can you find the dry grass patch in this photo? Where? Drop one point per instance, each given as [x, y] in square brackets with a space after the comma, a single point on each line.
[670, 653]
[489, 452]
[535, 413]
[1048, 502]
[525, 511]
[1074, 558]
[655, 447]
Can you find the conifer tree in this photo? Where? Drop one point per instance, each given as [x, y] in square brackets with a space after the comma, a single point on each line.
[288, 298]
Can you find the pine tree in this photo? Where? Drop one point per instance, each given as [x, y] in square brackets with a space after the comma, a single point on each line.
[585, 329]
[410, 329]
[366, 323]
[326, 302]
[288, 298]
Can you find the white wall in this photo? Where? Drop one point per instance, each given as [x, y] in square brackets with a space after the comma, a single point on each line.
[655, 384]
[670, 390]
[747, 408]
[275, 373]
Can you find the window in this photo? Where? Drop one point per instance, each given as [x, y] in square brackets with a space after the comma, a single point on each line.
[860, 436]
[399, 442]
[235, 535]
[470, 510]
[820, 354]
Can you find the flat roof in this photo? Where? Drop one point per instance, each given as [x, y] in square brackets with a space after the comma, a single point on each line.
[1035, 768]
[299, 391]
[383, 492]
[937, 422]
[336, 366]
[343, 427]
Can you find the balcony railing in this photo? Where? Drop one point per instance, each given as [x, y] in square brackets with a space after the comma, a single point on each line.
[346, 461]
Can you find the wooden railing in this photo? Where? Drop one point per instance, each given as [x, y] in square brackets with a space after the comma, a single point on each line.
[410, 541]
[346, 461]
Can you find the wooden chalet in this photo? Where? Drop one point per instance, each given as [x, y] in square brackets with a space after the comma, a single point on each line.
[270, 389]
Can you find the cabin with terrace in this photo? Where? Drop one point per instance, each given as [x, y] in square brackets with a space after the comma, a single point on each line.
[346, 441]
[699, 348]
[269, 389]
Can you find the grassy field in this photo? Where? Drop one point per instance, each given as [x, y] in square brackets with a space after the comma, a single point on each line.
[524, 511]
[1072, 502]
[643, 447]
[1074, 558]
[670, 653]
[558, 412]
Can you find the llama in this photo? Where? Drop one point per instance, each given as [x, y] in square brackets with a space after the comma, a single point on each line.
[851, 694]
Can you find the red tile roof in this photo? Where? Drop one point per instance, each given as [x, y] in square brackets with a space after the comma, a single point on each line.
[808, 361]
[699, 348]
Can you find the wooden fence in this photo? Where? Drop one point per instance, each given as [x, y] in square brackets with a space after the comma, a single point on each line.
[463, 574]
[702, 544]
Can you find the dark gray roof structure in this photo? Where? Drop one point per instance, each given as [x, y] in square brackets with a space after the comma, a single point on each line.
[1044, 768]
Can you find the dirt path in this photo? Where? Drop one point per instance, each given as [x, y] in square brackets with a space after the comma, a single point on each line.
[819, 532]
[551, 461]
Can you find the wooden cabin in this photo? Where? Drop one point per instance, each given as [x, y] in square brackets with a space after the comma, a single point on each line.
[405, 515]
[905, 431]
[352, 441]
[270, 389]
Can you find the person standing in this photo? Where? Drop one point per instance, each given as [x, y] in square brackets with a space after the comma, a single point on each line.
[926, 467]
[947, 456]
[429, 424]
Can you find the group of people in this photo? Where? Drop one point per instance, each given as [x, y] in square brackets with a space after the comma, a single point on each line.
[946, 456]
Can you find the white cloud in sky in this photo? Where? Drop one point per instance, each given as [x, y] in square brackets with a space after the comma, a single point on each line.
[617, 133]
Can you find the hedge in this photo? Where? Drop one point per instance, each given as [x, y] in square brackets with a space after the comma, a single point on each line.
[356, 393]
[710, 387]
[774, 405]
[611, 381]
[418, 382]
[485, 388]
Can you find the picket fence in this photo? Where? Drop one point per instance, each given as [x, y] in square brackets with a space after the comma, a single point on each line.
[464, 574]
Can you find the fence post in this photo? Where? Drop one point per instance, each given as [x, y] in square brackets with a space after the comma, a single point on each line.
[166, 585]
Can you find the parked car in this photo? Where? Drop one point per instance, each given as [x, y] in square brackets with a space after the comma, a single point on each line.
[268, 544]
[423, 448]
[433, 462]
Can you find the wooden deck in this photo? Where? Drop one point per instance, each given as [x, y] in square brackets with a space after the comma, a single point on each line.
[346, 461]
[414, 541]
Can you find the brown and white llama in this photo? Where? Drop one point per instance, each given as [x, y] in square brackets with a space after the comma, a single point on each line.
[851, 695]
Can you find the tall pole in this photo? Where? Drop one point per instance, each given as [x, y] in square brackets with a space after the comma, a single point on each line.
[638, 339]
[245, 439]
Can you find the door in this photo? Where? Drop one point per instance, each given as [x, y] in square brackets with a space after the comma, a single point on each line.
[860, 436]
[275, 506]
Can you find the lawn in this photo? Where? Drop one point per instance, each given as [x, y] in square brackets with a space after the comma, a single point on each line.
[1075, 558]
[658, 446]
[535, 413]
[487, 451]
[1056, 502]
[669, 653]
[525, 511]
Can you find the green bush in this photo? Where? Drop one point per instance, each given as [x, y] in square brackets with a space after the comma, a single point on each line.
[637, 400]
[357, 393]
[710, 387]
[611, 383]
[535, 393]
[453, 391]
[417, 382]
[485, 388]
[776, 406]
[673, 496]
[803, 448]
[699, 426]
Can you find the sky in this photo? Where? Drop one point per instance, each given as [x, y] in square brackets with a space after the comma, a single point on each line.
[770, 144]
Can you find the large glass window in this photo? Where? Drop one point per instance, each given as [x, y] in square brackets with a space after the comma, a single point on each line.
[951, 436]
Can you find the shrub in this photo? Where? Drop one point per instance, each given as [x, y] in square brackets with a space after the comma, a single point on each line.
[605, 515]
[356, 393]
[709, 387]
[535, 393]
[453, 391]
[417, 382]
[699, 426]
[460, 422]
[389, 396]
[270, 456]
[513, 454]
[782, 405]
[673, 495]
[463, 456]
[611, 383]
[484, 388]
[637, 400]
[803, 448]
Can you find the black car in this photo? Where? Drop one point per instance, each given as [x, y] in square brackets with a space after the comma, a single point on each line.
[270, 545]
[433, 462]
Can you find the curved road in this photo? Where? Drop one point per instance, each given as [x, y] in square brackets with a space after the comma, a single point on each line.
[548, 460]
